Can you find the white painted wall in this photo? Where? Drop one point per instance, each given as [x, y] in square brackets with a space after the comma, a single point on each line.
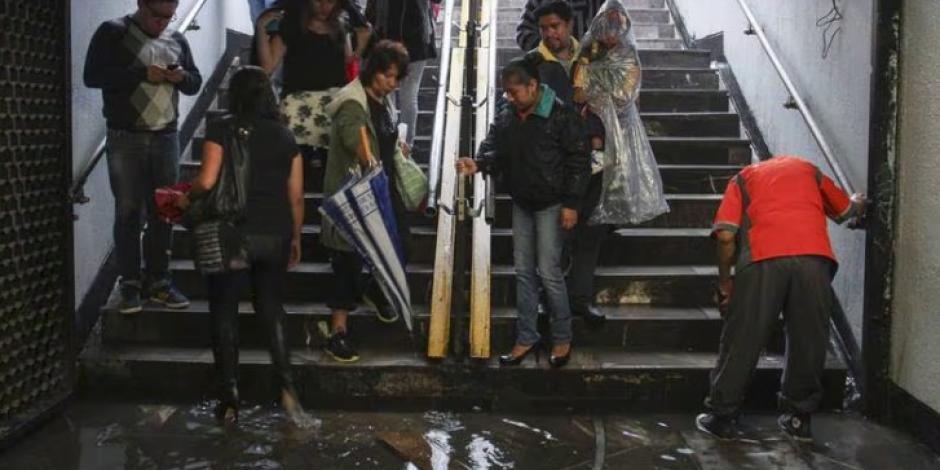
[915, 341]
[93, 239]
[836, 89]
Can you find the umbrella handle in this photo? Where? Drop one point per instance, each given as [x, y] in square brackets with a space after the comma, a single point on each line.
[368, 160]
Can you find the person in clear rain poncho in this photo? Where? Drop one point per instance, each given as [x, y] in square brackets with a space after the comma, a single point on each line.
[607, 81]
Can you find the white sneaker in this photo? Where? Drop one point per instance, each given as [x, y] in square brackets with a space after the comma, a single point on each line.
[597, 162]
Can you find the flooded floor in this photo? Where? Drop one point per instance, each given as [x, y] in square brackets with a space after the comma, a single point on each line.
[99, 436]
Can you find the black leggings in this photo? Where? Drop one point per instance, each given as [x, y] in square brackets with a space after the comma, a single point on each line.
[269, 255]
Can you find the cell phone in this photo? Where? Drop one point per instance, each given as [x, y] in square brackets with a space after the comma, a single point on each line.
[173, 66]
[274, 26]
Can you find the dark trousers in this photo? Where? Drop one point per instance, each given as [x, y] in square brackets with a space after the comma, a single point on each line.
[138, 164]
[798, 286]
[349, 281]
[583, 247]
[269, 255]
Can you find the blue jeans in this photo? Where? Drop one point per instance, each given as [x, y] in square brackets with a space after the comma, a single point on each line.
[537, 240]
[408, 98]
[138, 164]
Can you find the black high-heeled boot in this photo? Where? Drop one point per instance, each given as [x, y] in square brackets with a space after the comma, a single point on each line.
[510, 360]
[226, 411]
[559, 361]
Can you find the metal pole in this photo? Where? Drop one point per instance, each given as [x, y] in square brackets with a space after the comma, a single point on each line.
[437, 134]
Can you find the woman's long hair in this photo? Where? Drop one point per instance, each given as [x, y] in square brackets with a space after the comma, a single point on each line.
[251, 95]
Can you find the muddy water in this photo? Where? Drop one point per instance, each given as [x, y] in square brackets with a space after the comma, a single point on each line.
[95, 436]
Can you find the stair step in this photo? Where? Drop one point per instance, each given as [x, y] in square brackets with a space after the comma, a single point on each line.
[643, 43]
[631, 328]
[640, 30]
[685, 211]
[677, 179]
[654, 78]
[634, 247]
[685, 58]
[684, 179]
[622, 247]
[683, 101]
[692, 124]
[509, 18]
[651, 100]
[686, 286]
[423, 241]
[701, 150]
[596, 378]
[685, 123]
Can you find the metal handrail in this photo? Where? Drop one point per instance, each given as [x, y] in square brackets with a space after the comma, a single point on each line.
[838, 323]
[756, 29]
[490, 193]
[437, 134]
[77, 191]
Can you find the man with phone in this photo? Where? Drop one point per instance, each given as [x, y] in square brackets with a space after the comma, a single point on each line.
[141, 67]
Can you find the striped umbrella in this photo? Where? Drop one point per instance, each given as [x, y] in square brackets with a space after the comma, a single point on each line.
[362, 212]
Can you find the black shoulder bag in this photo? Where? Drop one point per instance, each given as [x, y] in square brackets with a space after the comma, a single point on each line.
[214, 217]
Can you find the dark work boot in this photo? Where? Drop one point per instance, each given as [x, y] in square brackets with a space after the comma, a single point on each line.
[719, 427]
[130, 301]
[593, 317]
[339, 348]
[797, 426]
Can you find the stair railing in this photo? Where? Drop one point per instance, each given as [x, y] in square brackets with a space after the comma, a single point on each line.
[845, 338]
[437, 134]
[77, 191]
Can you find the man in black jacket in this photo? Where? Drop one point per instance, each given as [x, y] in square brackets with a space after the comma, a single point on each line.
[539, 145]
[141, 68]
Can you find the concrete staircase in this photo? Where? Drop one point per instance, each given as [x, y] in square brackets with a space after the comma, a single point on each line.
[654, 283]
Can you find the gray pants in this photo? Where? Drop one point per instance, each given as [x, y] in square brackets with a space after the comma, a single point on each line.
[798, 286]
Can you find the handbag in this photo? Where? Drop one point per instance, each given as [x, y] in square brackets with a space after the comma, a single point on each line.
[411, 182]
[218, 244]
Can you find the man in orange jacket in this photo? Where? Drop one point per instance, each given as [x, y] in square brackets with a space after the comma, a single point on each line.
[772, 227]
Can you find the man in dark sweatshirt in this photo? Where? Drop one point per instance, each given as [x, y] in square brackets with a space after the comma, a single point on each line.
[141, 68]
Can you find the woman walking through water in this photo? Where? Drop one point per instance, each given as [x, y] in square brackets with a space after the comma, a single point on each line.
[271, 224]
[607, 81]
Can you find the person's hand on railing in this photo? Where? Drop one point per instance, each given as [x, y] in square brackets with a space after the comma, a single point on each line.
[860, 201]
[466, 166]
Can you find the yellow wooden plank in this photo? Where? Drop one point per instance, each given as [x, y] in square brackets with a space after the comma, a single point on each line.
[464, 17]
[481, 270]
[485, 12]
[442, 287]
